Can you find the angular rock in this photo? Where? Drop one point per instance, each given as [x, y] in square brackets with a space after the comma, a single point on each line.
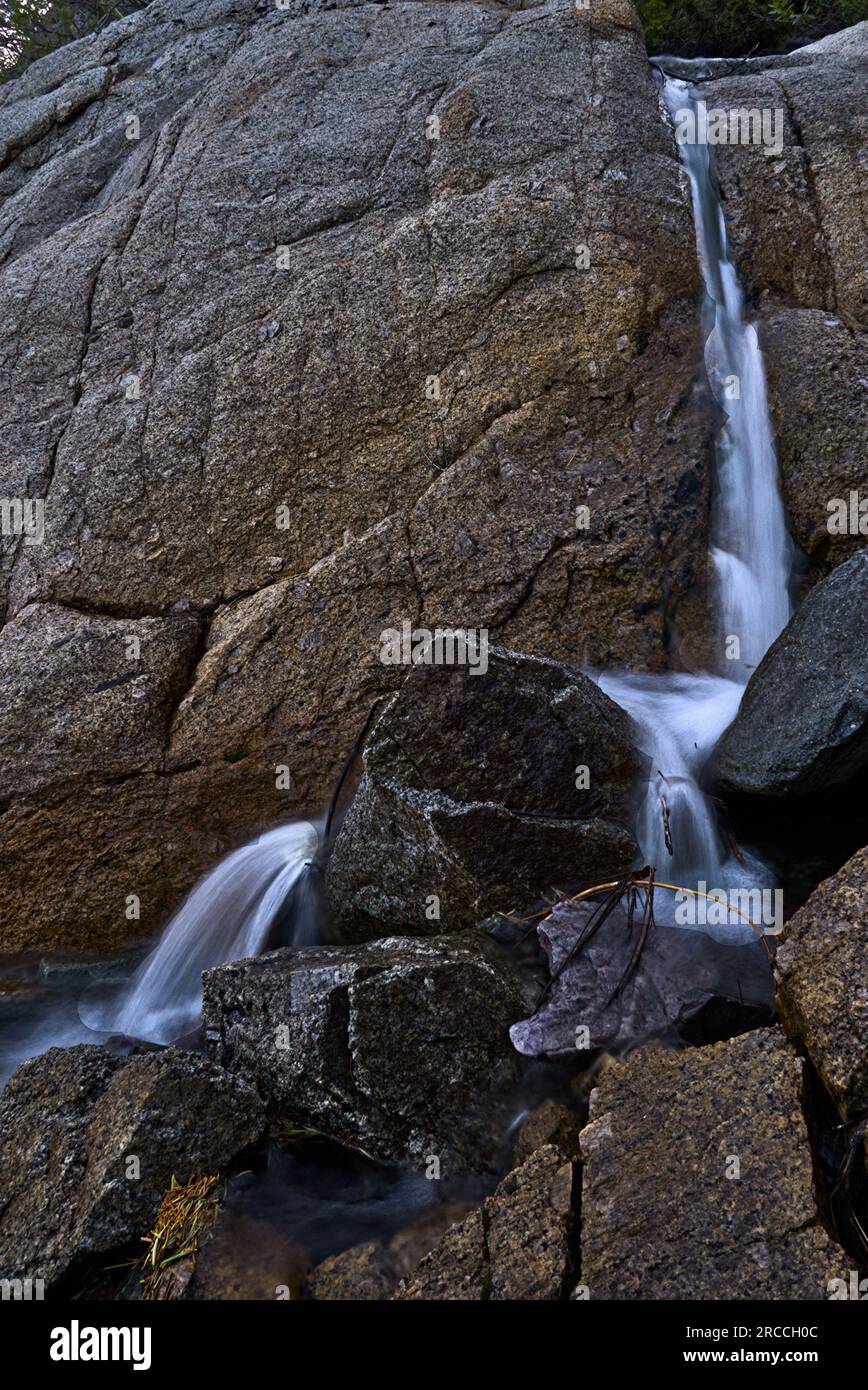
[803, 721]
[400, 1047]
[685, 985]
[469, 797]
[456, 1270]
[662, 1218]
[216, 339]
[822, 990]
[72, 1120]
[517, 1246]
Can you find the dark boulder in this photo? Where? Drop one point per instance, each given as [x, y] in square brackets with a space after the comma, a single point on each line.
[400, 1047]
[89, 1143]
[469, 801]
[519, 1245]
[803, 722]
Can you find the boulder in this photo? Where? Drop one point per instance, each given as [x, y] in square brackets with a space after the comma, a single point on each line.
[89, 1143]
[683, 985]
[399, 1047]
[698, 1178]
[469, 801]
[803, 721]
[822, 990]
[519, 1246]
[299, 338]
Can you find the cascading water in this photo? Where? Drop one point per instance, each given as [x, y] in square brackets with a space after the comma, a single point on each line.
[681, 717]
[227, 916]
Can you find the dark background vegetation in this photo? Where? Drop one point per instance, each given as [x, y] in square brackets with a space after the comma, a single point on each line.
[727, 28]
[31, 28]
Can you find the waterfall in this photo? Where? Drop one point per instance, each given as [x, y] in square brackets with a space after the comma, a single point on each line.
[227, 916]
[680, 717]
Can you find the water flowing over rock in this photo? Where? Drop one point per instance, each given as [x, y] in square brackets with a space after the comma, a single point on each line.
[473, 798]
[71, 1124]
[664, 1215]
[796, 218]
[400, 1047]
[822, 990]
[803, 722]
[301, 371]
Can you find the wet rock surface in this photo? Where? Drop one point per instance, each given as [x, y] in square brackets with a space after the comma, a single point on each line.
[89, 1143]
[822, 989]
[614, 991]
[184, 378]
[661, 1218]
[400, 1047]
[803, 721]
[460, 815]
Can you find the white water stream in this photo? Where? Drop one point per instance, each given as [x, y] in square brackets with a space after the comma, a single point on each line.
[227, 916]
[681, 717]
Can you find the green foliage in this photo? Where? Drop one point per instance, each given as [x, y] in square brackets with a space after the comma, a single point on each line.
[31, 28]
[729, 28]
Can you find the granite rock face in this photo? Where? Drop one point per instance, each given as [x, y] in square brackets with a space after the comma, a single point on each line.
[399, 1047]
[469, 802]
[803, 722]
[91, 1141]
[299, 340]
[822, 989]
[661, 1216]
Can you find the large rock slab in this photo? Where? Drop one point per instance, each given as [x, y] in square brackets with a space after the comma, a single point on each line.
[803, 721]
[822, 989]
[232, 255]
[89, 1143]
[469, 801]
[400, 1047]
[683, 985]
[661, 1218]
